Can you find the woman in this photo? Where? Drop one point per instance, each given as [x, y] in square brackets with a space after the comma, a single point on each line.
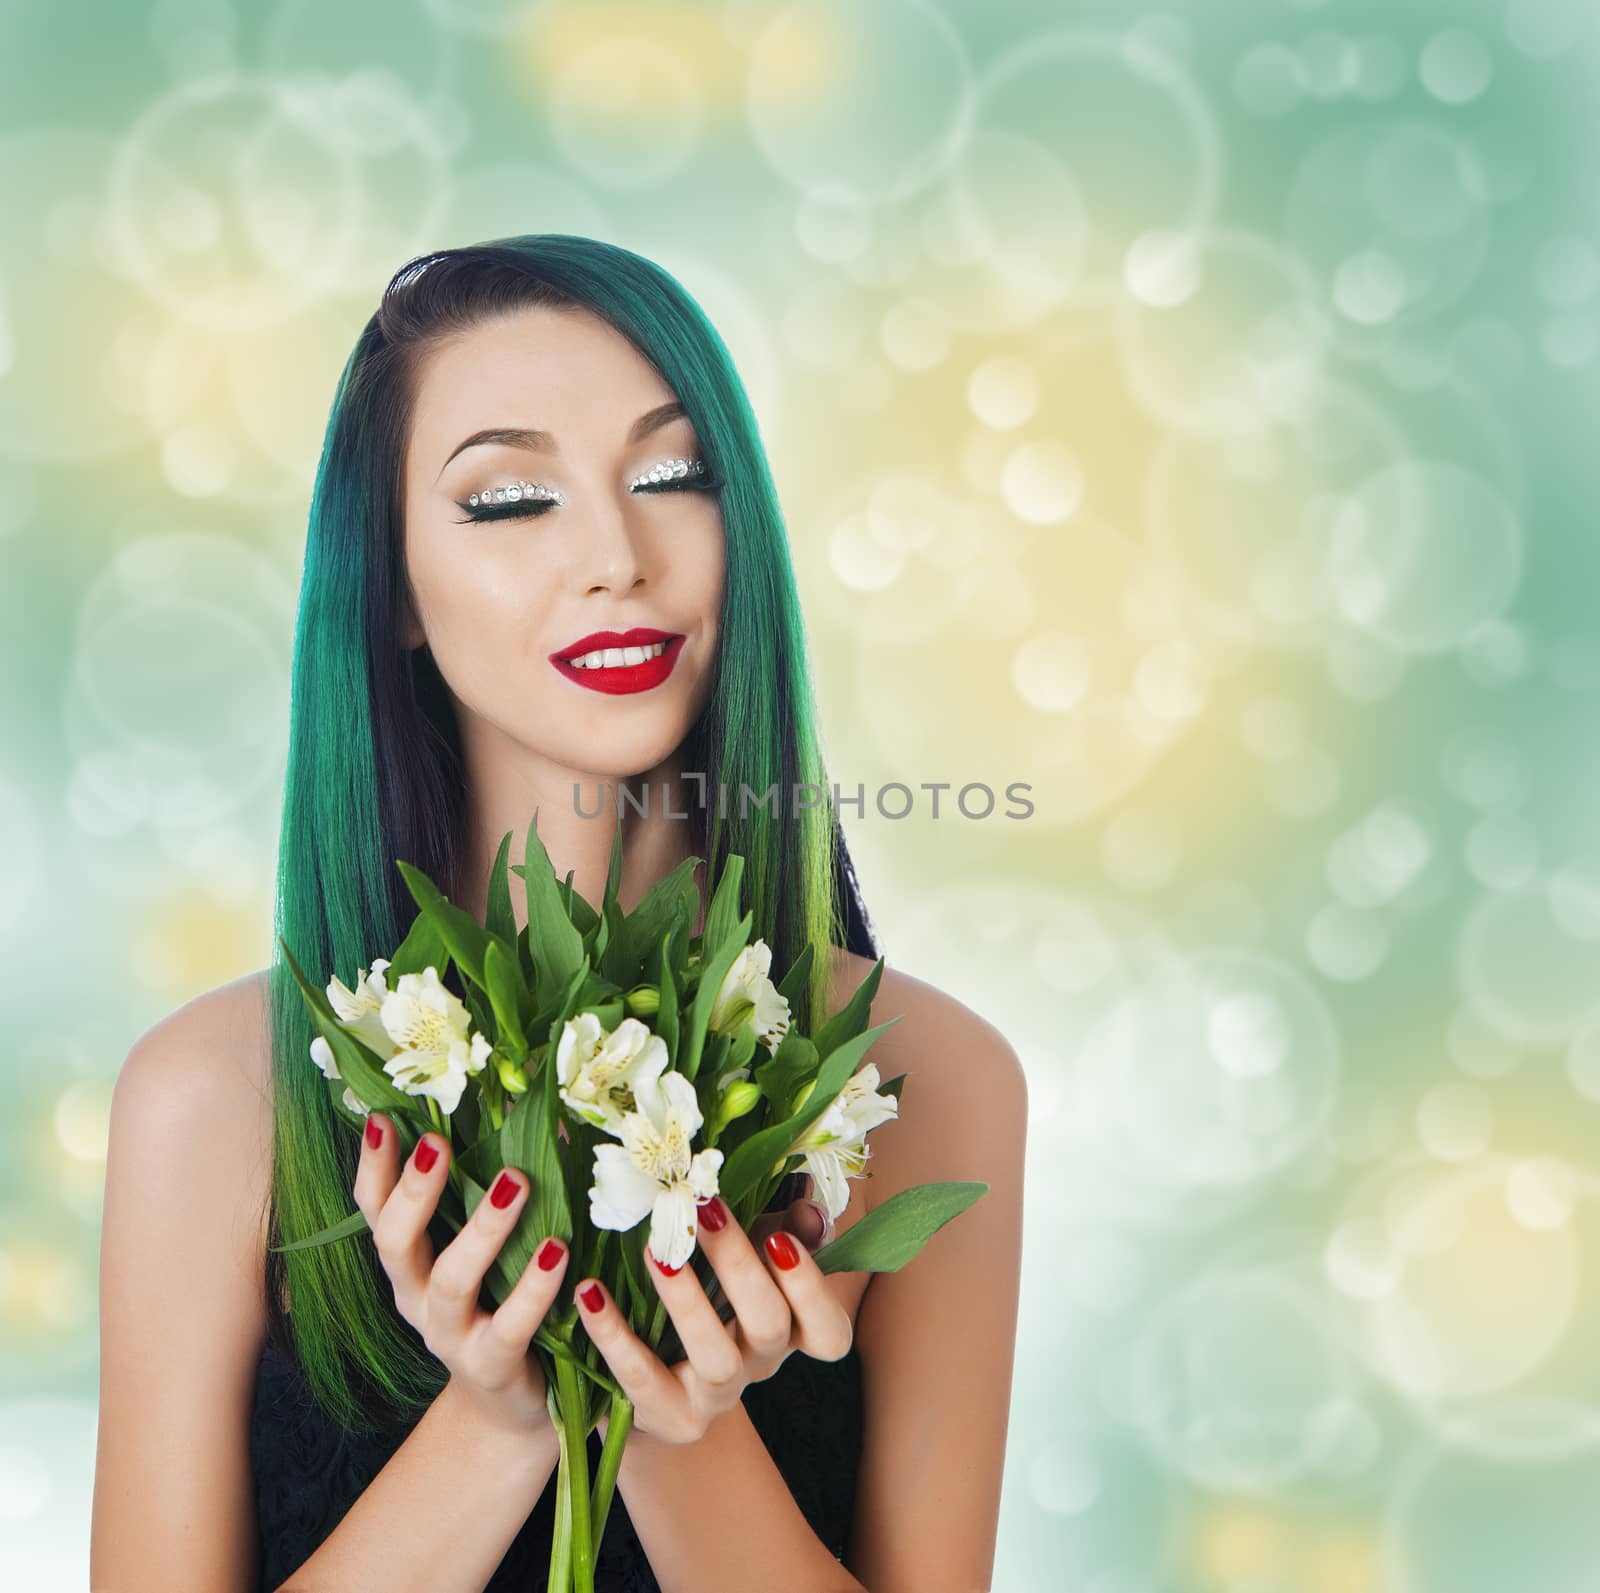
[538, 446]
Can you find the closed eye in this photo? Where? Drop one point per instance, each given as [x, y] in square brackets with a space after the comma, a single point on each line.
[529, 508]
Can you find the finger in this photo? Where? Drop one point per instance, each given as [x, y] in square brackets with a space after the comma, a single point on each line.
[379, 1166]
[457, 1276]
[763, 1322]
[660, 1401]
[711, 1352]
[508, 1331]
[401, 1231]
[822, 1327]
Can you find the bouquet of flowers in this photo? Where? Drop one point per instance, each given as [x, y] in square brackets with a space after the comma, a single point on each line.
[630, 1032]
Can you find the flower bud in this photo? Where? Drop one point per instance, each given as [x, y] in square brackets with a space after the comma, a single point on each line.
[740, 1098]
[512, 1078]
[644, 1001]
[735, 1015]
[802, 1095]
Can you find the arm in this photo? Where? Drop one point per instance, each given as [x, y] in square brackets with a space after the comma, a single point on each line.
[182, 1312]
[182, 1308]
[937, 1339]
[747, 1529]
[406, 1532]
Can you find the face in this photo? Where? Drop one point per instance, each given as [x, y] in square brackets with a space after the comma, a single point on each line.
[510, 591]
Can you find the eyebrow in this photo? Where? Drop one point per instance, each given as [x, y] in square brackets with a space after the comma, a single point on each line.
[544, 442]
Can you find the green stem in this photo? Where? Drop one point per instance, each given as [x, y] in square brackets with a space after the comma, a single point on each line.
[574, 1506]
[560, 1579]
[619, 1422]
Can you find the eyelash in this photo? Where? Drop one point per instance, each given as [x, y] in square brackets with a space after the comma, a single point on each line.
[532, 508]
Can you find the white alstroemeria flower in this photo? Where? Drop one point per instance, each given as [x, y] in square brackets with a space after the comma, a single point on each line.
[835, 1147]
[437, 1046]
[747, 980]
[600, 1074]
[652, 1172]
[322, 1055]
[359, 1009]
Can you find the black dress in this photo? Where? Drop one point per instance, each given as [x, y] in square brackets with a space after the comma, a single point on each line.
[309, 1472]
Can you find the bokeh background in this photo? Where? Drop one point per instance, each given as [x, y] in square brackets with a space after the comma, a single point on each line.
[1186, 409]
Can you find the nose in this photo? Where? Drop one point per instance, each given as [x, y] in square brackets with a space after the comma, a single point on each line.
[610, 557]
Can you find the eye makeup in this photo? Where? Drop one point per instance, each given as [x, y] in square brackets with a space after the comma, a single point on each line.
[523, 500]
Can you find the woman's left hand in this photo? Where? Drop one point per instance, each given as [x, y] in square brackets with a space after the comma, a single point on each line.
[781, 1304]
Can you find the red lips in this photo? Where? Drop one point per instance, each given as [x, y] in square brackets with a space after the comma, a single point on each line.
[624, 677]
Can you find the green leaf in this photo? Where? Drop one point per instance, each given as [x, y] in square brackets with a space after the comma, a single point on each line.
[851, 1019]
[666, 1020]
[631, 1249]
[891, 1234]
[481, 1160]
[712, 973]
[787, 1069]
[793, 984]
[724, 910]
[616, 961]
[647, 925]
[465, 937]
[362, 1071]
[556, 942]
[423, 947]
[355, 1223]
[528, 1142]
[505, 992]
[757, 1156]
[498, 917]
[614, 872]
[742, 1050]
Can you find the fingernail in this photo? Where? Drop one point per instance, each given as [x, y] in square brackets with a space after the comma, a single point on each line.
[813, 1224]
[549, 1256]
[671, 1272]
[504, 1191]
[427, 1154]
[591, 1296]
[782, 1249]
[714, 1215]
[374, 1133]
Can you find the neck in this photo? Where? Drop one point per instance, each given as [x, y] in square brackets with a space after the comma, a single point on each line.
[577, 819]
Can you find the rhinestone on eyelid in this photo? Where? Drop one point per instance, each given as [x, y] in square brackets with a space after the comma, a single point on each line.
[515, 493]
[670, 469]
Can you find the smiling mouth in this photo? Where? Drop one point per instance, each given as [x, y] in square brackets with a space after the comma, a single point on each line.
[617, 657]
[622, 671]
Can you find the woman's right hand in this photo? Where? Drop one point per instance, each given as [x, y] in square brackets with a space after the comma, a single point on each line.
[488, 1352]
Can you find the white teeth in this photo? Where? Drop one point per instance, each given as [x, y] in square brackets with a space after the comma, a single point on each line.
[616, 657]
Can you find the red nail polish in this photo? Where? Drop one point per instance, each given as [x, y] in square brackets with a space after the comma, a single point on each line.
[504, 1192]
[549, 1256]
[427, 1154]
[671, 1272]
[592, 1297]
[782, 1250]
[374, 1133]
[714, 1215]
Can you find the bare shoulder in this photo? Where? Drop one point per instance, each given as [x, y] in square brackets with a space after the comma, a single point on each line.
[938, 1040]
[191, 1112]
[183, 1294]
[964, 1102]
[215, 1043]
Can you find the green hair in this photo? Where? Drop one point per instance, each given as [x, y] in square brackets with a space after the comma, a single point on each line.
[375, 772]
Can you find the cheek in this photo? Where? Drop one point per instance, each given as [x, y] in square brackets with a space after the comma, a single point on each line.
[485, 612]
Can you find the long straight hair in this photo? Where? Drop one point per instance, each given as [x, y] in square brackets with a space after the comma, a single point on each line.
[375, 771]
